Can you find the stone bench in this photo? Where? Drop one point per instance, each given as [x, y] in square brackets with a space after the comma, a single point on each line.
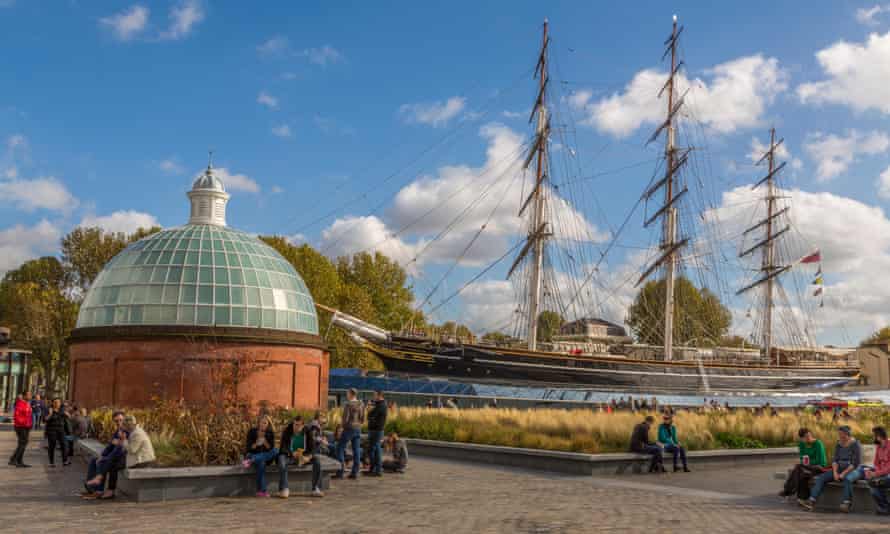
[832, 495]
[172, 483]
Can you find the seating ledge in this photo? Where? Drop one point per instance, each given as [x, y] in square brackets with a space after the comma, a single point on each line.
[783, 475]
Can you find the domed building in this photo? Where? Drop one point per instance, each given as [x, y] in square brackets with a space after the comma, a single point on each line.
[179, 312]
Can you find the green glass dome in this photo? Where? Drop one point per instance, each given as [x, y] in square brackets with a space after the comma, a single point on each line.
[203, 275]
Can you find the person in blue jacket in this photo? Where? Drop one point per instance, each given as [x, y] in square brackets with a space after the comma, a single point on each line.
[667, 437]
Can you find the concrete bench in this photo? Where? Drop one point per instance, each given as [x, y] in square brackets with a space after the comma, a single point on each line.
[832, 495]
[172, 483]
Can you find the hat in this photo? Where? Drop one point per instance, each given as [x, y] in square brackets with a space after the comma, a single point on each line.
[845, 429]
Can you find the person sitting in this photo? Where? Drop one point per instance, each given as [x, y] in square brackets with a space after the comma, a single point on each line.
[290, 452]
[879, 476]
[399, 451]
[109, 462]
[812, 463]
[57, 427]
[260, 450]
[315, 442]
[844, 468]
[667, 438]
[140, 451]
[335, 439]
[640, 444]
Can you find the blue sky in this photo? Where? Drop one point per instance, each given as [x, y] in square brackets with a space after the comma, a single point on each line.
[107, 110]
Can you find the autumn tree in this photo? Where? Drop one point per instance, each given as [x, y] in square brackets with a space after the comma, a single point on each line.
[880, 336]
[386, 283]
[699, 316]
[549, 323]
[85, 251]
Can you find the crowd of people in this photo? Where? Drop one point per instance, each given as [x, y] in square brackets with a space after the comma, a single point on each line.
[63, 424]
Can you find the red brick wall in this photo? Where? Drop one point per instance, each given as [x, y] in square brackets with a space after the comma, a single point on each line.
[129, 373]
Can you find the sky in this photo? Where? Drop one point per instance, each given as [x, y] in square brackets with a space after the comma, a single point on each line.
[370, 126]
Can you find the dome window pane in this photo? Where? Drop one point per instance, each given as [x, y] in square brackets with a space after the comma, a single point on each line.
[205, 275]
[189, 294]
[237, 276]
[239, 316]
[219, 259]
[229, 246]
[264, 279]
[221, 315]
[121, 314]
[179, 257]
[280, 299]
[240, 247]
[111, 294]
[140, 260]
[159, 275]
[206, 258]
[153, 258]
[143, 274]
[205, 294]
[125, 295]
[292, 301]
[191, 258]
[292, 321]
[140, 294]
[254, 317]
[171, 295]
[136, 314]
[246, 261]
[205, 315]
[268, 318]
[222, 294]
[205, 244]
[189, 275]
[222, 275]
[168, 314]
[186, 315]
[166, 256]
[237, 295]
[174, 275]
[281, 320]
[217, 243]
[233, 260]
[250, 277]
[154, 294]
[152, 314]
[268, 300]
[253, 296]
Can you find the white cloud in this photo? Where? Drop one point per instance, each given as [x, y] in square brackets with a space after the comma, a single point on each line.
[16, 142]
[277, 189]
[858, 75]
[323, 55]
[125, 221]
[170, 166]
[834, 154]
[297, 239]
[759, 148]
[512, 114]
[734, 96]
[274, 46]
[435, 114]
[883, 184]
[868, 15]
[40, 193]
[267, 100]
[234, 182]
[282, 131]
[183, 18]
[349, 235]
[11, 173]
[127, 24]
[20, 243]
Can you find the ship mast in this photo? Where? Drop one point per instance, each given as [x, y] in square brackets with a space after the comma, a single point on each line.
[767, 245]
[539, 228]
[674, 159]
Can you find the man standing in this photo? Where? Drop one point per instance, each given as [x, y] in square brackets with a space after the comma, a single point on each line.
[37, 411]
[21, 422]
[353, 418]
[376, 424]
[640, 444]
[844, 467]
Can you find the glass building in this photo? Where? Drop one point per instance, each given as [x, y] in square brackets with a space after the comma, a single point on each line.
[14, 370]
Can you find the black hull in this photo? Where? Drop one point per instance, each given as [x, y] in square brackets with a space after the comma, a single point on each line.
[515, 367]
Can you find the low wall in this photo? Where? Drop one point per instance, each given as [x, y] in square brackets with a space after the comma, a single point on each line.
[174, 483]
[589, 464]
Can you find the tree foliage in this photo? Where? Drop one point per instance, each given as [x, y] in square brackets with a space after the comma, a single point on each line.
[85, 251]
[880, 336]
[549, 323]
[699, 316]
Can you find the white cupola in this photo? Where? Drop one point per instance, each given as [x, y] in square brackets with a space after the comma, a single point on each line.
[209, 199]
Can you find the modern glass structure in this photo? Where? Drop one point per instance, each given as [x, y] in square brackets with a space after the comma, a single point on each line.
[200, 274]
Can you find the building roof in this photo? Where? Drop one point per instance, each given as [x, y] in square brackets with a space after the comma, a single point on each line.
[201, 275]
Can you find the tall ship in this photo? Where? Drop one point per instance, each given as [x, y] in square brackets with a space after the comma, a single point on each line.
[669, 348]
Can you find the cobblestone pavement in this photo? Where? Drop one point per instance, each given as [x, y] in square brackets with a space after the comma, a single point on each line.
[434, 496]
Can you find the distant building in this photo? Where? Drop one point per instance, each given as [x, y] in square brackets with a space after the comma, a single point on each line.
[14, 370]
[589, 336]
[874, 360]
[180, 313]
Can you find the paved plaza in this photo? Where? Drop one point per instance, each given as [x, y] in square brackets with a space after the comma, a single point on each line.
[434, 496]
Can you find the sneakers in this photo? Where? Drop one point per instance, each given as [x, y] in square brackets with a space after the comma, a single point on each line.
[284, 494]
[316, 493]
[806, 504]
[846, 506]
[262, 494]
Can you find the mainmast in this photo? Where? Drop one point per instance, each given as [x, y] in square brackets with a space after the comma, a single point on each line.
[768, 265]
[538, 229]
[674, 159]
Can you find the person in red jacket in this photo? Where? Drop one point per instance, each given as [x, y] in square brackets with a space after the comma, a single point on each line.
[879, 476]
[21, 422]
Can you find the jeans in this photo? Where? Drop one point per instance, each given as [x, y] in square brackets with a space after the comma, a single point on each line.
[678, 452]
[259, 461]
[56, 438]
[850, 479]
[283, 462]
[655, 451]
[353, 436]
[69, 442]
[316, 472]
[18, 456]
[35, 420]
[828, 476]
[375, 451]
[879, 495]
[109, 467]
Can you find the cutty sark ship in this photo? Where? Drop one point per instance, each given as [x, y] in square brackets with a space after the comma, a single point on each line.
[597, 353]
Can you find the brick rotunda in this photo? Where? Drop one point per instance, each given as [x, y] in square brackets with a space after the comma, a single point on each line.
[184, 311]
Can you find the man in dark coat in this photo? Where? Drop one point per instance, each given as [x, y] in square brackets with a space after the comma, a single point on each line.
[376, 424]
[640, 444]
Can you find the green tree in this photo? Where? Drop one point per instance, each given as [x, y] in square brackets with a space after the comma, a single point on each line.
[496, 338]
[880, 336]
[386, 283]
[85, 251]
[699, 316]
[549, 323]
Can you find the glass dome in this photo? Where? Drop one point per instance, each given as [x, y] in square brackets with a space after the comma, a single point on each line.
[199, 274]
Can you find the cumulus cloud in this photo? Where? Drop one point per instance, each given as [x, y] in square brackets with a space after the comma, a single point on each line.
[127, 24]
[273, 46]
[857, 75]
[21, 243]
[834, 154]
[282, 130]
[732, 96]
[435, 114]
[40, 193]
[267, 100]
[183, 18]
[125, 221]
[349, 235]
[234, 182]
[759, 148]
[883, 184]
[869, 15]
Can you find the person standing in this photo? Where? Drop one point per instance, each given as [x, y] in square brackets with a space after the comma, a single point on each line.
[353, 418]
[812, 463]
[667, 437]
[844, 468]
[376, 424]
[22, 421]
[37, 411]
[57, 427]
[640, 444]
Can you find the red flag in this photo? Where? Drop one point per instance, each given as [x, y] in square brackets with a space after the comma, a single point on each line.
[815, 257]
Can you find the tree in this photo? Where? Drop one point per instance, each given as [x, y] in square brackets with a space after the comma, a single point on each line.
[85, 251]
[386, 283]
[497, 338]
[699, 316]
[549, 323]
[881, 336]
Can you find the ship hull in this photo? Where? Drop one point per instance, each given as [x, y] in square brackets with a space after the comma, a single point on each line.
[484, 364]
